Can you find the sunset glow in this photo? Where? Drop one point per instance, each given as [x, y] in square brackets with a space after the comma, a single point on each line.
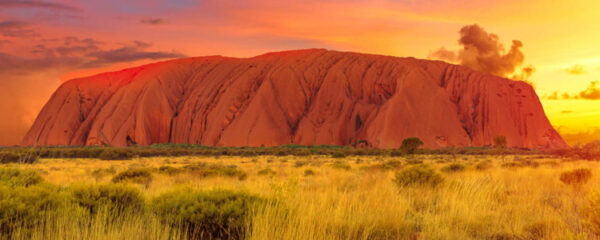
[44, 43]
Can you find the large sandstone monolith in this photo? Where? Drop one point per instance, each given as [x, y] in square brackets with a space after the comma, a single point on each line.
[295, 97]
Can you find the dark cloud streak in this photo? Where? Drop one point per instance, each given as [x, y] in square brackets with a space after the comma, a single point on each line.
[129, 53]
[37, 4]
[154, 21]
[17, 29]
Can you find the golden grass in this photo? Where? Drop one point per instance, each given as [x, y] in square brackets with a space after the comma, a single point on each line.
[522, 202]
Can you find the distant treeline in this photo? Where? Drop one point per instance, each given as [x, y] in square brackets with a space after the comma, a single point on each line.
[30, 154]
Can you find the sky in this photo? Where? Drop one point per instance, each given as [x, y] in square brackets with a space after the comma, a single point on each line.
[554, 45]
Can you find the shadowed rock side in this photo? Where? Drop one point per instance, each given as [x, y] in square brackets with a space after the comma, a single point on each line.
[296, 97]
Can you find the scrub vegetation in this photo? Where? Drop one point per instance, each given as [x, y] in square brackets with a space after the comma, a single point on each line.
[338, 193]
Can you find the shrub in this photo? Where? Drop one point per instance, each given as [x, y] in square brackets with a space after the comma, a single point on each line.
[339, 154]
[530, 163]
[341, 165]
[590, 151]
[512, 165]
[205, 170]
[24, 208]
[101, 172]
[267, 171]
[9, 157]
[454, 167]
[576, 177]
[483, 165]
[300, 163]
[14, 177]
[396, 153]
[114, 199]
[418, 175]
[390, 165]
[411, 145]
[536, 230]
[115, 154]
[216, 214]
[413, 161]
[309, 172]
[169, 170]
[135, 175]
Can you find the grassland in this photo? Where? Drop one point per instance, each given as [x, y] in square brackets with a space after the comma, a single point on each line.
[306, 197]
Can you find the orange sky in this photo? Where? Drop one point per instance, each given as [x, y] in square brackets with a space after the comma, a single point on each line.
[45, 42]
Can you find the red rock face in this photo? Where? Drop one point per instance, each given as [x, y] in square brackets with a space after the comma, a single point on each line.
[297, 97]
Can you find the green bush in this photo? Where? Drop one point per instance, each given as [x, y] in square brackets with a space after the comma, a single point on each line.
[339, 154]
[212, 170]
[454, 167]
[397, 153]
[24, 208]
[484, 165]
[300, 163]
[135, 175]
[14, 177]
[512, 164]
[114, 199]
[267, 171]
[576, 177]
[341, 165]
[101, 172]
[414, 161]
[216, 214]
[389, 165]
[169, 170]
[115, 154]
[418, 175]
[26, 157]
[309, 172]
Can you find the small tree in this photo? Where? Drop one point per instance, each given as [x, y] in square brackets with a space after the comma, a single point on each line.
[500, 142]
[411, 145]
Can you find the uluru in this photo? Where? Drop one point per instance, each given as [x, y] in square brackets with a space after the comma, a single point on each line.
[306, 97]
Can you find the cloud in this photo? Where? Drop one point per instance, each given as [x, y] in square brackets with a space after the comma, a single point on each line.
[75, 53]
[444, 54]
[16, 29]
[153, 21]
[37, 4]
[592, 92]
[553, 96]
[129, 53]
[576, 69]
[524, 74]
[483, 51]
